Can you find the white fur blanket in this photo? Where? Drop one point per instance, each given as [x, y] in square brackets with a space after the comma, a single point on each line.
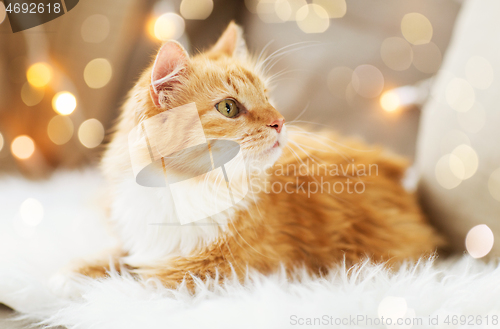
[453, 293]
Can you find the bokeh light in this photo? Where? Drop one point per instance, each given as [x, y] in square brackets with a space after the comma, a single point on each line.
[469, 162]
[196, 9]
[60, 129]
[31, 212]
[97, 73]
[3, 13]
[338, 80]
[168, 26]
[416, 28]
[334, 8]
[479, 241]
[295, 5]
[283, 10]
[22, 147]
[473, 120]
[275, 11]
[350, 95]
[479, 72]
[452, 139]
[95, 28]
[39, 74]
[312, 18]
[445, 171]
[91, 133]
[460, 95]
[252, 5]
[367, 81]
[427, 58]
[30, 95]
[389, 101]
[400, 98]
[396, 53]
[64, 103]
[494, 184]
[1, 142]
[272, 11]
[457, 167]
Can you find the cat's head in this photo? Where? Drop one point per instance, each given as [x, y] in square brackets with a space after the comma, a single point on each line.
[230, 94]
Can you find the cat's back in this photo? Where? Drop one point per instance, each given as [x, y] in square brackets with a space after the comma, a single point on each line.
[332, 197]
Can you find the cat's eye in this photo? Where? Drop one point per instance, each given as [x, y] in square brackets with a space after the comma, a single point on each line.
[228, 108]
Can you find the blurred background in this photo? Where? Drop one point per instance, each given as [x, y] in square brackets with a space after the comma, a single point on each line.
[341, 65]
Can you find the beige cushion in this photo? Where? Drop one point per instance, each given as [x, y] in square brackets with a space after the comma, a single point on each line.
[464, 109]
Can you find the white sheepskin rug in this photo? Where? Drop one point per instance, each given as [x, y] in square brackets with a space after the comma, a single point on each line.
[458, 293]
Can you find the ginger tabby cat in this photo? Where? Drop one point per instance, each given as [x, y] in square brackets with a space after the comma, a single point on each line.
[287, 218]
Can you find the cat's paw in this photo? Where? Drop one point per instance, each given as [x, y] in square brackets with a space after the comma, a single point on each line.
[67, 284]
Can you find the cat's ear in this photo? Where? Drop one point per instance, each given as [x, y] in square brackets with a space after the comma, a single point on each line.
[170, 63]
[231, 42]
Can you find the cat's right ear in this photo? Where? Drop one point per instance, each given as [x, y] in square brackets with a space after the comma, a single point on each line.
[171, 61]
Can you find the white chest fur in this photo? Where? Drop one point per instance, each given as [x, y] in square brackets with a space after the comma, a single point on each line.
[149, 228]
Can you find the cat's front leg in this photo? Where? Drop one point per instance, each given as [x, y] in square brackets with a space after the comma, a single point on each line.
[188, 271]
[69, 281]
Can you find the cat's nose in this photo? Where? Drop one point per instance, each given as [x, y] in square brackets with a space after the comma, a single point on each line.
[277, 124]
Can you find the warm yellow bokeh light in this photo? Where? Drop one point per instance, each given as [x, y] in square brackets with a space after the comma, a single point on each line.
[30, 95]
[479, 241]
[22, 147]
[444, 171]
[60, 129]
[469, 161]
[295, 5]
[457, 167]
[1, 142]
[168, 26]
[64, 103]
[268, 13]
[97, 73]
[3, 13]
[390, 101]
[283, 10]
[276, 11]
[91, 133]
[312, 18]
[416, 28]
[196, 9]
[334, 8]
[39, 74]
[494, 184]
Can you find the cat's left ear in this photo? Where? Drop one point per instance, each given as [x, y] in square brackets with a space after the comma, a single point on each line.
[170, 64]
[231, 42]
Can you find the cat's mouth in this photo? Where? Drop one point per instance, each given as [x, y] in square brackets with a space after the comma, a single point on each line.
[277, 144]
